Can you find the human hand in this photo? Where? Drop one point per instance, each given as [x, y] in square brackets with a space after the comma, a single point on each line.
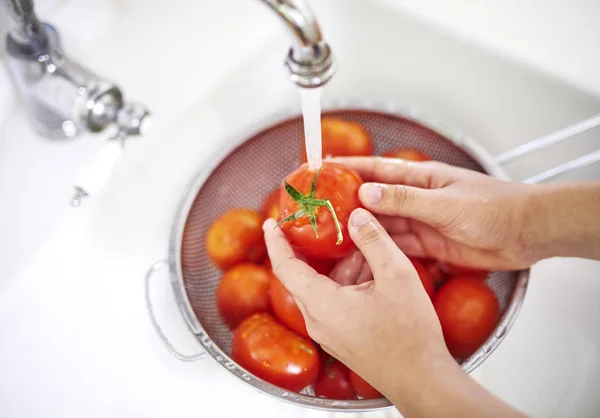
[386, 329]
[448, 213]
[367, 325]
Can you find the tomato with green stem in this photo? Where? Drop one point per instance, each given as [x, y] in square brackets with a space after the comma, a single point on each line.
[315, 206]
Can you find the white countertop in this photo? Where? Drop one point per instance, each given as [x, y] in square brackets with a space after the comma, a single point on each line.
[76, 339]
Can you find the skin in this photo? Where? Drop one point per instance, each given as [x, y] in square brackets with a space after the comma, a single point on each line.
[428, 209]
[469, 219]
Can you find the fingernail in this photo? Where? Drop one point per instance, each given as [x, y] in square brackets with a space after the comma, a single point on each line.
[269, 224]
[374, 192]
[360, 217]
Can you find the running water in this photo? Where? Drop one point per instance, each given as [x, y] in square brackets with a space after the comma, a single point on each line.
[311, 114]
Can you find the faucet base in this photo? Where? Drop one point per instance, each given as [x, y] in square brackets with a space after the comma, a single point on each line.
[37, 78]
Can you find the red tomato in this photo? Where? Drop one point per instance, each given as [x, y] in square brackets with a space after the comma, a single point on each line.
[436, 270]
[285, 308]
[407, 154]
[322, 266]
[333, 381]
[434, 267]
[343, 138]
[242, 292]
[270, 206]
[363, 388]
[336, 184]
[236, 237]
[425, 276]
[457, 271]
[271, 352]
[468, 311]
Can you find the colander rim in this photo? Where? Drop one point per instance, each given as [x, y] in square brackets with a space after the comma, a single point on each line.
[466, 143]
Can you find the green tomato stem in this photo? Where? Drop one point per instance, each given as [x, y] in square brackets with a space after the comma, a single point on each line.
[309, 207]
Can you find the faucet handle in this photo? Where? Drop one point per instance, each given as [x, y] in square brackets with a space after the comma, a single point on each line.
[134, 119]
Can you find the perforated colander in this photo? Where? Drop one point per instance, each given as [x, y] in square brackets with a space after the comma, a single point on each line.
[258, 164]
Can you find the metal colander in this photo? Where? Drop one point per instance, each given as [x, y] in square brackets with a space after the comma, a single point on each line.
[257, 166]
[251, 168]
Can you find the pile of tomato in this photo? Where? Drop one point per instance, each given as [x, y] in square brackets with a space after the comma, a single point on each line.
[270, 338]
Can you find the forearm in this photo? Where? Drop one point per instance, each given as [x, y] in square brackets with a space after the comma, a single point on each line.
[565, 220]
[443, 389]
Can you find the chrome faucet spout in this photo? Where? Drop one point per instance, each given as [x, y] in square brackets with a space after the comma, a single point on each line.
[310, 60]
[64, 99]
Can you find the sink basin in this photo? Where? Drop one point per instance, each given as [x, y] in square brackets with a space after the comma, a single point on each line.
[384, 55]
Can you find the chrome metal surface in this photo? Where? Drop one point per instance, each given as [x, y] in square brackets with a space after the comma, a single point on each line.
[24, 27]
[556, 137]
[310, 60]
[550, 139]
[241, 164]
[101, 108]
[312, 75]
[577, 163]
[63, 98]
[134, 119]
[159, 265]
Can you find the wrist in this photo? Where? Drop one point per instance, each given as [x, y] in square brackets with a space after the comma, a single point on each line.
[443, 389]
[563, 221]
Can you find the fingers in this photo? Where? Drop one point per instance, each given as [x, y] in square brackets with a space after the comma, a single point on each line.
[411, 245]
[351, 270]
[297, 276]
[376, 245]
[427, 206]
[365, 274]
[394, 224]
[347, 270]
[426, 175]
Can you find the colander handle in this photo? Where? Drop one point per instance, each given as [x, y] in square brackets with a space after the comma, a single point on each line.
[159, 265]
[551, 139]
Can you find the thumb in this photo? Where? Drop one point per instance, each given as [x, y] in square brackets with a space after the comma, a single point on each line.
[303, 282]
[378, 248]
[424, 205]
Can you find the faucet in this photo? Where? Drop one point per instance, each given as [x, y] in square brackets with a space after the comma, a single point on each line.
[64, 99]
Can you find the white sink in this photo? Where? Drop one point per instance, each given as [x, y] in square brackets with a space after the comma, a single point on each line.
[84, 297]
